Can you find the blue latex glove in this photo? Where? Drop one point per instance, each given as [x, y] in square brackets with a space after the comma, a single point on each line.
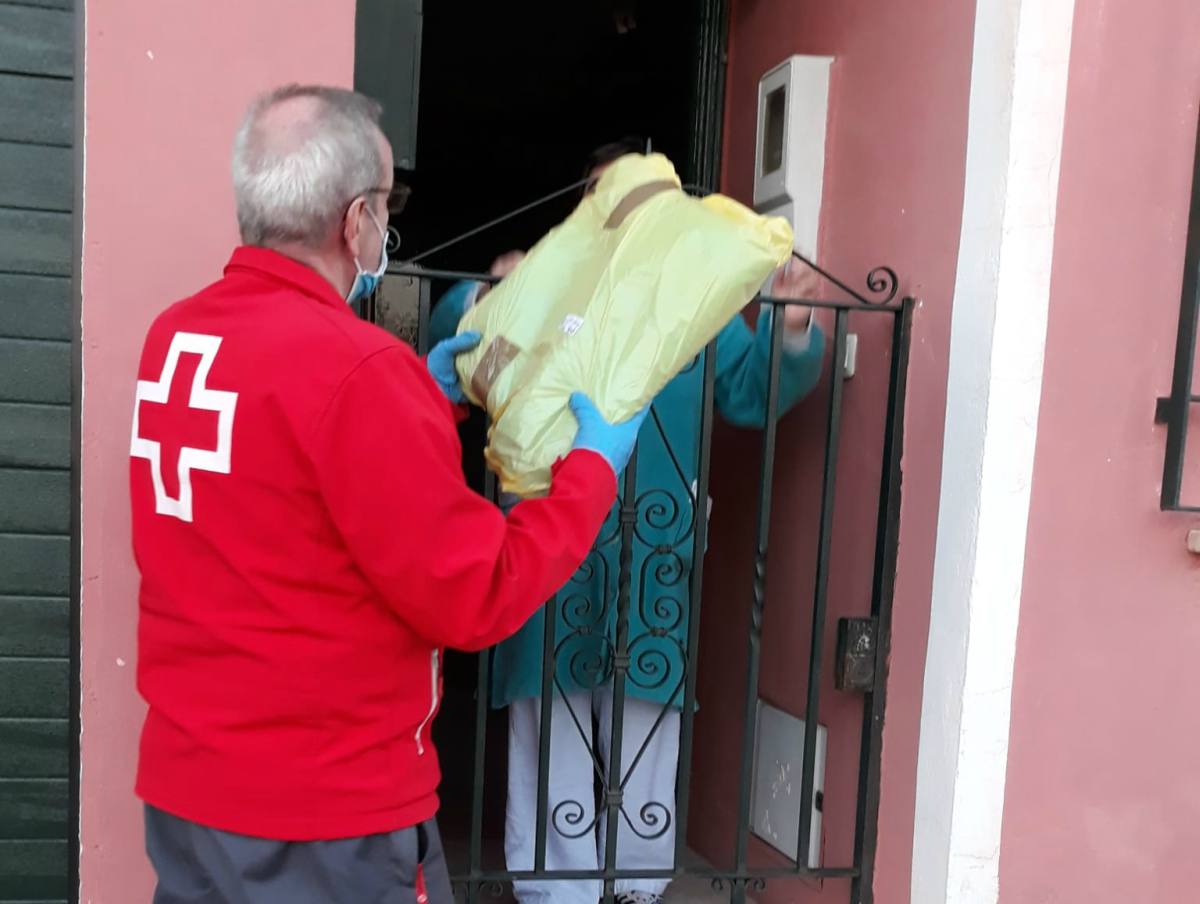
[612, 442]
[440, 362]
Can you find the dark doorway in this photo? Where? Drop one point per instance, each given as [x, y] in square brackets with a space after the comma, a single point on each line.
[512, 100]
[513, 97]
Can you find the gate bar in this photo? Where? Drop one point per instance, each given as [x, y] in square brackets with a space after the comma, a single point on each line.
[494, 878]
[612, 798]
[481, 708]
[866, 823]
[545, 730]
[737, 893]
[475, 865]
[821, 592]
[691, 656]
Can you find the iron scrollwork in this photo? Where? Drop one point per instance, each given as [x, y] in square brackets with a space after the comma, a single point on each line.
[882, 283]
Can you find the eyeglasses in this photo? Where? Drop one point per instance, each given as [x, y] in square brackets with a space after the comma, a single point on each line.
[397, 197]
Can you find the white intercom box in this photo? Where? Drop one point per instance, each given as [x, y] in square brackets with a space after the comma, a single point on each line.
[789, 157]
[778, 777]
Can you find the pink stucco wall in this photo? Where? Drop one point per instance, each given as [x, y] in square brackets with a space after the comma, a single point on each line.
[893, 195]
[1103, 794]
[165, 85]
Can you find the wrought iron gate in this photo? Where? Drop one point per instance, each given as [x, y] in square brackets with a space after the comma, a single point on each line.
[651, 530]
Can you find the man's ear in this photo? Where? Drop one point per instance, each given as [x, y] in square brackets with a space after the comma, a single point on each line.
[352, 222]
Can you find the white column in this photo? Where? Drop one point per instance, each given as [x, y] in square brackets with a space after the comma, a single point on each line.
[998, 335]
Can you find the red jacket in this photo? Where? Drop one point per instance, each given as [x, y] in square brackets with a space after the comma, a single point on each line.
[308, 546]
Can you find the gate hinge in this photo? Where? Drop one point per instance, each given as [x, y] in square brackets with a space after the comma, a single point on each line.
[857, 639]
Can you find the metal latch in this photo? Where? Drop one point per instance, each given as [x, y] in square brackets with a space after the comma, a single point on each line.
[855, 659]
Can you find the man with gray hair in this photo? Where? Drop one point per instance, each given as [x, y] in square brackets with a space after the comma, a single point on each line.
[308, 545]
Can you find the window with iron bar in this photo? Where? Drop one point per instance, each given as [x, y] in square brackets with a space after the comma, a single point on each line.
[1175, 410]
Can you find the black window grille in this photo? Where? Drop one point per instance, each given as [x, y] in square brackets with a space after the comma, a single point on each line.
[1175, 411]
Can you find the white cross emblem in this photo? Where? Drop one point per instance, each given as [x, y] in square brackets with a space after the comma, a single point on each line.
[202, 399]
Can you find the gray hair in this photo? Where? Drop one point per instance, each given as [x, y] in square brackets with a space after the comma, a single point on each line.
[294, 180]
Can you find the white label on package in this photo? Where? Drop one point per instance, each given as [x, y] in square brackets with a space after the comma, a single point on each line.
[571, 324]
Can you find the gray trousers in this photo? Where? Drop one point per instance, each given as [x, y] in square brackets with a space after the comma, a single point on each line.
[198, 865]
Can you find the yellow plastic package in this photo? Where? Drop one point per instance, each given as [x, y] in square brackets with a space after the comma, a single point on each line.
[613, 302]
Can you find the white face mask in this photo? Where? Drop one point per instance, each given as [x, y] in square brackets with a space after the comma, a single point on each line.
[366, 281]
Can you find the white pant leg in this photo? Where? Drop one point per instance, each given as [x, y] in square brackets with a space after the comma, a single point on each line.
[571, 787]
[649, 792]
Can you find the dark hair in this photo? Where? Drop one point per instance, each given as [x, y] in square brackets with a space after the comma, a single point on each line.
[614, 150]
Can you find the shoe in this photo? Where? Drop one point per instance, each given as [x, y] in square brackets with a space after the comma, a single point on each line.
[639, 897]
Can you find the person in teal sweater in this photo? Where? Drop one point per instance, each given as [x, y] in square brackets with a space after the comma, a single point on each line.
[585, 615]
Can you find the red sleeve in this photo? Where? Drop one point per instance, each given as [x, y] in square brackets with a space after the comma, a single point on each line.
[449, 563]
